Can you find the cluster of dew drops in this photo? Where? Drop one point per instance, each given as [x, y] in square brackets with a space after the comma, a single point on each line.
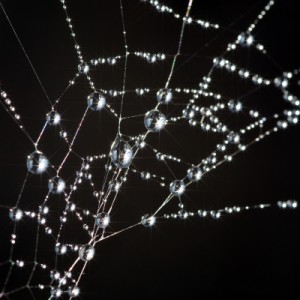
[122, 153]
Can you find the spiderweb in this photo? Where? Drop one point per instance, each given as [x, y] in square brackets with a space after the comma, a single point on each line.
[81, 169]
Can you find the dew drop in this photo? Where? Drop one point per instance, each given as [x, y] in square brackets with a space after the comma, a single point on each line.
[121, 153]
[15, 214]
[154, 120]
[56, 185]
[83, 68]
[164, 96]
[60, 249]
[73, 291]
[194, 174]
[148, 221]
[233, 137]
[177, 187]
[96, 101]
[53, 118]
[86, 252]
[37, 163]
[102, 220]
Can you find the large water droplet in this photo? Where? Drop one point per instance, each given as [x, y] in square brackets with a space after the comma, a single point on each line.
[73, 291]
[177, 187]
[37, 163]
[56, 185]
[96, 101]
[155, 120]
[148, 221]
[53, 118]
[83, 68]
[102, 220]
[121, 153]
[114, 185]
[194, 174]
[86, 252]
[164, 96]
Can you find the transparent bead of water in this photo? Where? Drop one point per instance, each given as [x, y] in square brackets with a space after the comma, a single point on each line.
[234, 106]
[48, 230]
[145, 175]
[56, 293]
[194, 174]
[155, 120]
[233, 137]
[73, 291]
[282, 124]
[121, 153]
[293, 120]
[287, 204]
[53, 118]
[215, 214]
[102, 220]
[54, 274]
[164, 96]
[183, 214]
[188, 113]
[60, 249]
[292, 204]
[114, 185]
[56, 185]
[160, 156]
[83, 68]
[148, 221]
[15, 214]
[37, 163]
[96, 101]
[245, 39]
[177, 187]
[283, 83]
[70, 206]
[20, 263]
[86, 252]
[112, 61]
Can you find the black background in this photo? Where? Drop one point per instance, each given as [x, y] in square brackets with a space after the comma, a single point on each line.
[251, 254]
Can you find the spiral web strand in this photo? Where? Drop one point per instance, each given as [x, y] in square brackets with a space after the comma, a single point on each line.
[119, 160]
